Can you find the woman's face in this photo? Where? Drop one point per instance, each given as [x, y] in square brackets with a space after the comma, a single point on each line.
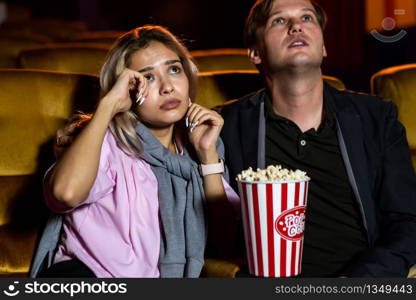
[168, 85]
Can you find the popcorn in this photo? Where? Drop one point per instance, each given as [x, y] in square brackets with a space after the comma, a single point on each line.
[272, 173]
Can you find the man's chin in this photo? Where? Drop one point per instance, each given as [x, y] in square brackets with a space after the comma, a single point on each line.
[300, 64]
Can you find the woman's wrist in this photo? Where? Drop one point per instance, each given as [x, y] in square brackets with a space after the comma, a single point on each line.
[107, 106]
[208, 157]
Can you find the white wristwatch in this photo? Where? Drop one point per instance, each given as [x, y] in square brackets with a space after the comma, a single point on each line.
[211, 168]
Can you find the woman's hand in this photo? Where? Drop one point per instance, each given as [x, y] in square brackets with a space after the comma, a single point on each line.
[130, 84]
[204, 126]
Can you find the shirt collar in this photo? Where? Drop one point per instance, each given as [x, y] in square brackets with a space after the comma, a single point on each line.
[329, 110]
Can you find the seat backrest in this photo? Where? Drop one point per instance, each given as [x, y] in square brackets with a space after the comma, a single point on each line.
[57, 29]
[33, 105]
[107, 37]
[215, 88]
[334, 82]
[222, 60]
[79, 58]
[12, 44]
[399, 85]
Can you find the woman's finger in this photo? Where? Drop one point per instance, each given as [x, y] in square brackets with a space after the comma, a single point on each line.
[193, 111]
[140, 86]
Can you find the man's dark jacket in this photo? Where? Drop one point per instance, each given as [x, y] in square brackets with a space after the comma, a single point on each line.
[376, 155]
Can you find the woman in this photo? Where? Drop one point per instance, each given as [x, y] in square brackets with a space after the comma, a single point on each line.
[130, 184]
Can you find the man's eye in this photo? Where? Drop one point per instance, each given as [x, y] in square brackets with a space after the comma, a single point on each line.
[307, 18]
[279, 21]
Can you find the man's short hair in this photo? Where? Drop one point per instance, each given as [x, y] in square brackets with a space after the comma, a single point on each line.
[259, 14]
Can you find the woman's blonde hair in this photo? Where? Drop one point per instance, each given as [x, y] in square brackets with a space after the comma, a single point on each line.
[119, 57]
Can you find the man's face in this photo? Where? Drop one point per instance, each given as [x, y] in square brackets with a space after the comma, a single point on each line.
[292, 38]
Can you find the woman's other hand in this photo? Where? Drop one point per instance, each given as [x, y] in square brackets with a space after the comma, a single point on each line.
[204, 126]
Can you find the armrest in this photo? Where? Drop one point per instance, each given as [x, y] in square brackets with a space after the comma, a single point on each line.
[412, 272]
[222, 267]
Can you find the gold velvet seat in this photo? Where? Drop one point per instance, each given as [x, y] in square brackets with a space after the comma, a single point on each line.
[217, 87]
[11, 44]
[214, 88]
[57, 29]
[399, 85]
[33, 105]
[222, 60]
[76, 57]
[107, 37]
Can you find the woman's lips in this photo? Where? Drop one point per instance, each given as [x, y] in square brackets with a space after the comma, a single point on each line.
[170, 104]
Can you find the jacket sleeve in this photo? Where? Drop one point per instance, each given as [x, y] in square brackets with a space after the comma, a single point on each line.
[394, 250]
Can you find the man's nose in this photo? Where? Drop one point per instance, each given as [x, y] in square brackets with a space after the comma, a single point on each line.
[295, 26]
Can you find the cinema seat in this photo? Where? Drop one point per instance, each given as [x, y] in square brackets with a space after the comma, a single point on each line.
[11, 44]
[222, 60]
[81, 58]
[33, 105]
[217, 87]
[399, 85]
[56, 29]
[107, 37]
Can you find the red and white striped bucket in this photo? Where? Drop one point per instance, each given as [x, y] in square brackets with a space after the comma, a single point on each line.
[274, 222]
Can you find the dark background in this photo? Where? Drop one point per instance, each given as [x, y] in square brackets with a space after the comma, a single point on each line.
[354, 55]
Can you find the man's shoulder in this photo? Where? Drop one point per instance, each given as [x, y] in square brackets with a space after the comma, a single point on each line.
[246, 102]
[345, 99]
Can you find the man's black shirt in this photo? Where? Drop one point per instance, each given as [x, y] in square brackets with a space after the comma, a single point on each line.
[334, 232]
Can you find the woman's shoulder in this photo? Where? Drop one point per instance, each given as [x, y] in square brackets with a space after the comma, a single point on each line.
[111, 150]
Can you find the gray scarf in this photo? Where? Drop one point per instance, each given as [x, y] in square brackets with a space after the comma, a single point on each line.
[181, 207]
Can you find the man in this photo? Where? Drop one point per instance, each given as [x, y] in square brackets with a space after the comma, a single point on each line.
[361, 215]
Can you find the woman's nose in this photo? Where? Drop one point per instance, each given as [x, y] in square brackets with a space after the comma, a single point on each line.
[166, 87]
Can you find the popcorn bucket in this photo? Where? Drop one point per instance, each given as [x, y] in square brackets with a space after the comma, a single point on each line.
[274, 222]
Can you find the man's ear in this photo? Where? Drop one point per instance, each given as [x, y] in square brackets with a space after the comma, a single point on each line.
[325, 54]
[253, 55]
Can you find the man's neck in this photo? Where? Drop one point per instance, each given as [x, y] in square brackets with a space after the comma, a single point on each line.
[298, 97]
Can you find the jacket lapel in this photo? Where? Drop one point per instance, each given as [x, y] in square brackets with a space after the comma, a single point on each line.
[351, 141]
[249, 125]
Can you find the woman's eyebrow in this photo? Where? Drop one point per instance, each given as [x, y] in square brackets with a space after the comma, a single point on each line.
[168, 62]
[172, 61]
[145, 69]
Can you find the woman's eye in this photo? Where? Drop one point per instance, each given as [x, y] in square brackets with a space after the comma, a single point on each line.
[279, 21]
[148, 77]
[175, 69]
